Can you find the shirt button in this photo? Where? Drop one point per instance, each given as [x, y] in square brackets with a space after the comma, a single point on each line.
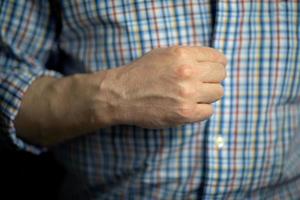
[219, 142]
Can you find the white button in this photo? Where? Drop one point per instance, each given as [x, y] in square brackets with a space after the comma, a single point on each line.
[219, 142]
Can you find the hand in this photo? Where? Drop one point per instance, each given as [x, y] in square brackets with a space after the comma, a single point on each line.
[166, 87]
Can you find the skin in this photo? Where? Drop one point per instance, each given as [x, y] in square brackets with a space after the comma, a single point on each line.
[164, 88]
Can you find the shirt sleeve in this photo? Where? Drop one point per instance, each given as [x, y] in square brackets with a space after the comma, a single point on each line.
[26, 39]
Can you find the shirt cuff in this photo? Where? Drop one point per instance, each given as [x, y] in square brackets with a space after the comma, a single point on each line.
[14, 85]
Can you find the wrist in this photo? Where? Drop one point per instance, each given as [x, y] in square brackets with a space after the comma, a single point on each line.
[112, 97]
[100, 106]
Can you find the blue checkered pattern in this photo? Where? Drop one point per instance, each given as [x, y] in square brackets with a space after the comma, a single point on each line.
[249, 149]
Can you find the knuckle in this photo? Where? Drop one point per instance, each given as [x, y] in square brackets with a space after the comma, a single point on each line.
[215, 55]
[185, 111]
[178, 51]
[184, 71]
[185, 91]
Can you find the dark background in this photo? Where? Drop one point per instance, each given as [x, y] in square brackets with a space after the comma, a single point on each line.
[27, 176]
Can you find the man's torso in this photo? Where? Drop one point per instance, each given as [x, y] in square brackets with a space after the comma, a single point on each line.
[248, 149]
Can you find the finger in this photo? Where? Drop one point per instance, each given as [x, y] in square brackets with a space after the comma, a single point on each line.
[209, 93]
[199, 112]
[209, 72]
[207, 54]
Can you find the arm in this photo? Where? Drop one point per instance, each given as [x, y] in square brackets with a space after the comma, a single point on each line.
[161, 89]
[166, 87]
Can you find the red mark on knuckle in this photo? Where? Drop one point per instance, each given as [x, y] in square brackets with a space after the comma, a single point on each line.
[184, 71]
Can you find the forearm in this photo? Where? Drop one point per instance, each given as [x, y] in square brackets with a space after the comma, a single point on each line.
[54, 110]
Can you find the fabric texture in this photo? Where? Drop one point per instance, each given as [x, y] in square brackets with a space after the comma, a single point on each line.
[249, 149]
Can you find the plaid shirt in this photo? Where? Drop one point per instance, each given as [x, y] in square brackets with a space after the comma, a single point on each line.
[249, 149]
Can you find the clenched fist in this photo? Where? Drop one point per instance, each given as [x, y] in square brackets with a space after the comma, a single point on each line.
[166, 87]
